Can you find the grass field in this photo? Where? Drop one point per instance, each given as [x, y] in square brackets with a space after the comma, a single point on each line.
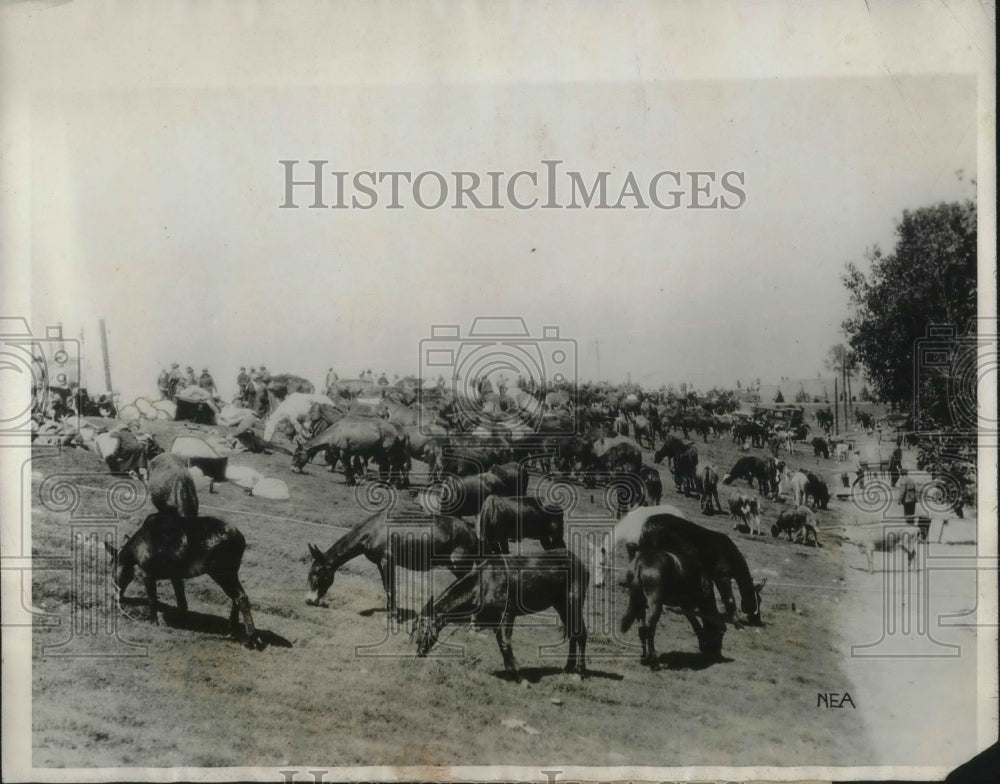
[311, 696]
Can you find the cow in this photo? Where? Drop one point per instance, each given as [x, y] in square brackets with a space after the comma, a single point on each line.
[706, 482]
[798, 522]
[507, 519]
[746, 509]
[763, 469]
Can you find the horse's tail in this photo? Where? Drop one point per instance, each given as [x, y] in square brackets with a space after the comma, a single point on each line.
[636, 601]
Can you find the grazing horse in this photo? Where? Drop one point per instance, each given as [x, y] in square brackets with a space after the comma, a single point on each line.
[500, 588]
[663, 577]
[171, 488]
[685, 463]
[168, 547]
[462, 496]
[415, 544]
[672, 446]
[717, 555]
[504, 520]
[764, 469]
[363, 439]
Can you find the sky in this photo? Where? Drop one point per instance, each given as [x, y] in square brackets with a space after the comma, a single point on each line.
[155, 207]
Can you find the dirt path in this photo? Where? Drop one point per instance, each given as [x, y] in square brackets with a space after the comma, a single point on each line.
[916, 710]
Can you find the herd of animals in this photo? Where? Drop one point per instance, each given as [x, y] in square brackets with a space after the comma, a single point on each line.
[476, 502]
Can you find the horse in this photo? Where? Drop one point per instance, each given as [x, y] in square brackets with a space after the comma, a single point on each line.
[169, 547]
[504, 519]
[716, 553]
[171, 488]
[685, 462]
[766, 470]
[415, 544]
[675, 579]
[500, 588]
[706, 482]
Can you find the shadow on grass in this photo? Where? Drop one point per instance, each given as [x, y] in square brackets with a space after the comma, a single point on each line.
[404, 613]
[535, 674]
[191, 621]
[687, 660]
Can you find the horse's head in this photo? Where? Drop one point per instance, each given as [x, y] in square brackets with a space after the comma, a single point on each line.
[425, 632]
[321, 575]
[123, 570]
[751, 604]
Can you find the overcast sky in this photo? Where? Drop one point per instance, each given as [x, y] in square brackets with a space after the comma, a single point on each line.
[157, 209]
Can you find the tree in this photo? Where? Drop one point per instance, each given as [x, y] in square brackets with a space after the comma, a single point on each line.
[928, 280]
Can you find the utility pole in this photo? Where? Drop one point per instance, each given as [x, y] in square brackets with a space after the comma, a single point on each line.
[836, 408]
[107, 359]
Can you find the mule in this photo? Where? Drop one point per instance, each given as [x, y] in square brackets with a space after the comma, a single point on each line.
[415, 544]
[501, 588]
[168, 547]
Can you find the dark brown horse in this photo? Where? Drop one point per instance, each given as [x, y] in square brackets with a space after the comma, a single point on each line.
[506, 519]
[662, 577]
[501, 588]
[418, 544]
[713, 552]
[168, 547]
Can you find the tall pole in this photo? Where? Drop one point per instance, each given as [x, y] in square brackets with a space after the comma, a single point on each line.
[836, 408]
[107, 359]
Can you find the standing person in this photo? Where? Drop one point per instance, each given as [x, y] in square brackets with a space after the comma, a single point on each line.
[331, 378]
[241, 384]
[895, 464]
[189, 379]
[251, 388]
[260, 393]
[206, 382]
[907, 496]
[163, 384]
[176, 379]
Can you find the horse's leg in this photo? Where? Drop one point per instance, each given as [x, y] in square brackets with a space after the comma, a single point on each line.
[505, 630]
[725, 587]
[150, 584]
[229, 582]
[653, 611]
[178, 584]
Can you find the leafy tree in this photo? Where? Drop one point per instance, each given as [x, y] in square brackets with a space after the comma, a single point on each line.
[929, 279]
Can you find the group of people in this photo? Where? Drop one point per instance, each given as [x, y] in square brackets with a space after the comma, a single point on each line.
[251, 388]
[172, 381]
